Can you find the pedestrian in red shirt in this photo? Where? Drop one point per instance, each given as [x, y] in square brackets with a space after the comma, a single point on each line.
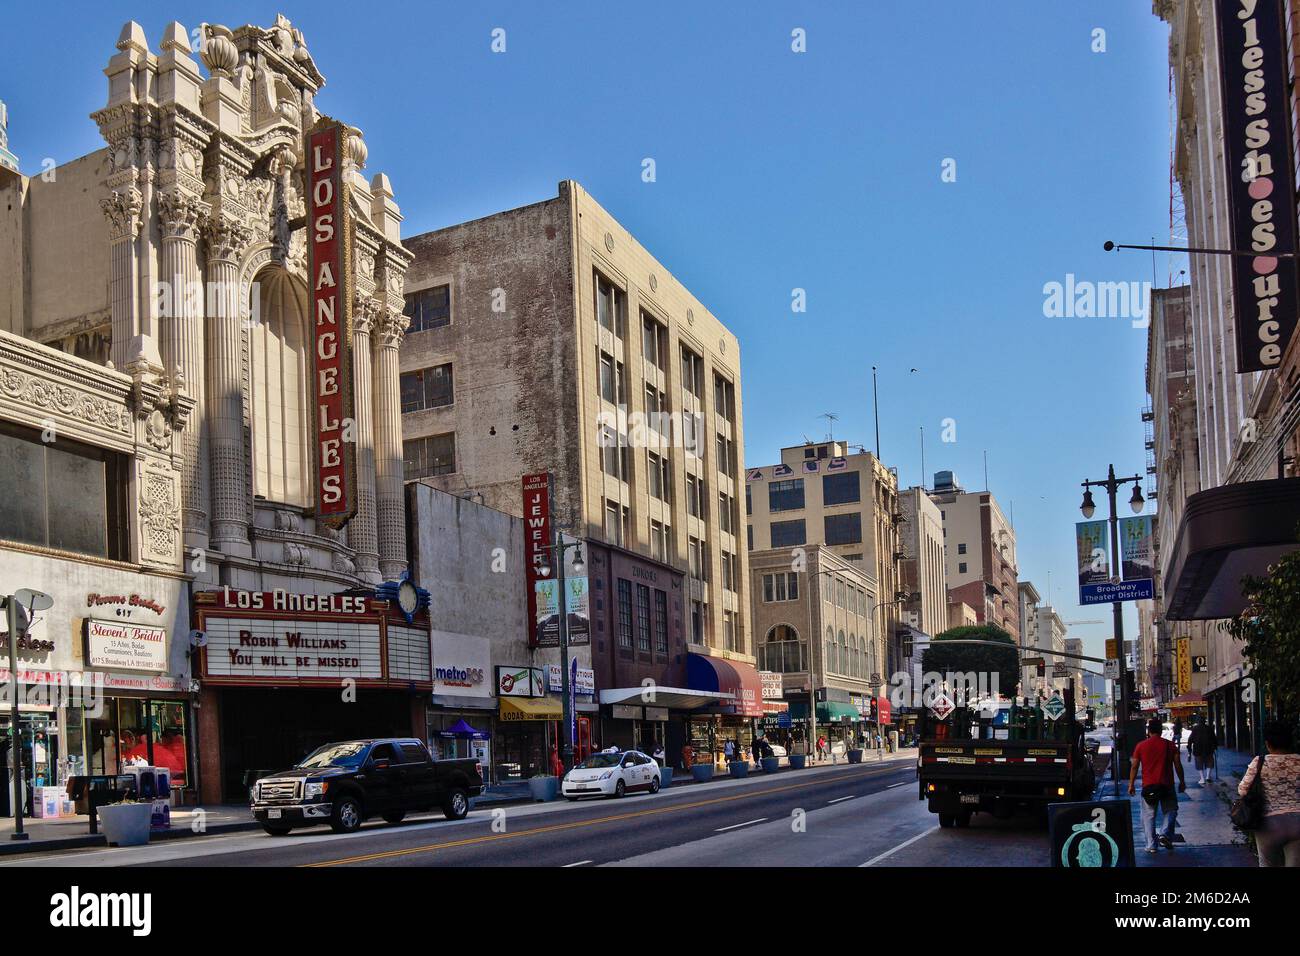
[1158, 761]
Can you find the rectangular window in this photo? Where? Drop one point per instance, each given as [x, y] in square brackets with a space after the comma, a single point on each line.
[844, 529]
[625, 613]
[428, 308]
[692, 373]
[725, 508]
[661, 622]
[695, 554]
[726, 457]
[426, 388]
[424, 457]
[63, 495]
[657, 547]
[961, 569]
[692, 432]
[785, 495]
[611, 306]
[660, 477]
[697, 622]
[788, 534]
[841, 489]
[961, 548]
[643, 618]
[654, 339]
[749, 536]
[728, 571]
[729, 629]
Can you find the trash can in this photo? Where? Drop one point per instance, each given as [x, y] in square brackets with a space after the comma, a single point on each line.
[798, 761]
[738, 768]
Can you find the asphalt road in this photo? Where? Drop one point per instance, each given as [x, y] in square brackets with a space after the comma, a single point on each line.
[690, 821]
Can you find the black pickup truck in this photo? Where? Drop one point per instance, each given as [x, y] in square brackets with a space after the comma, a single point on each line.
[344, 783]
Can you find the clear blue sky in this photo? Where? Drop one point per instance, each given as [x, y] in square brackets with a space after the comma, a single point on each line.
[778, 170]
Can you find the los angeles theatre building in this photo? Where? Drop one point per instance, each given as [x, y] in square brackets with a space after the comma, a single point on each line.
[200, 341]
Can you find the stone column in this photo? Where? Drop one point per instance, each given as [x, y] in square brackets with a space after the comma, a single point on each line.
[363, 528]
[122, 207]
[225, 407]
[182, 216]
[388, 446]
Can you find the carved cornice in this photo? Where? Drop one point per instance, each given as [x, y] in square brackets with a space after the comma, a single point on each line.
[122, 208]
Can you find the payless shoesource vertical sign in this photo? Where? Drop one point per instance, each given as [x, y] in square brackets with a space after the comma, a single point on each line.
[1261, 193]
[329, 242]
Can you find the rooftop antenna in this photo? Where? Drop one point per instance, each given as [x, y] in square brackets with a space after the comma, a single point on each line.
[831, 419]
[986, 469]
[875, 408]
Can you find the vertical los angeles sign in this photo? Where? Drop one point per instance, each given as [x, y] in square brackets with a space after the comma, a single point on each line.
[329, 266]
[1261, 194]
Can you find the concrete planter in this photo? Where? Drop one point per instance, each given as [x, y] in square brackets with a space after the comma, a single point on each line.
[702, 772]
[855, 756]
[126, 824]
[739, 768]
[771, 764]
[544, 789]
[665, 777]
[798, 761]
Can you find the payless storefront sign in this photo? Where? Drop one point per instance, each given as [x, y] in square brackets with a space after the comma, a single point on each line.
[1261, 193]
[537, 541]
[328, 245]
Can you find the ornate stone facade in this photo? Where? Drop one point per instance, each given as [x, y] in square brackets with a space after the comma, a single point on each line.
[203, 197]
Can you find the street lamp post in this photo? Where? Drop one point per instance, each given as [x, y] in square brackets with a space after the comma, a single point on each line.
[877, 679]
[557, 549]
[1112, 486]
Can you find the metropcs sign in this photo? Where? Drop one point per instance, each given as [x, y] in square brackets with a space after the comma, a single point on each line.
[329, 243]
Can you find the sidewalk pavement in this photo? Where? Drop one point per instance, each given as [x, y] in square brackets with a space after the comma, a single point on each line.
[70, 833]
[1204, 835]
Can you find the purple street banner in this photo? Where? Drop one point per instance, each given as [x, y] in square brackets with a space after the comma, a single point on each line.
[1260, 192]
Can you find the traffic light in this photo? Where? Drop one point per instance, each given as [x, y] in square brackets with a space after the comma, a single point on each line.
[1042, 668]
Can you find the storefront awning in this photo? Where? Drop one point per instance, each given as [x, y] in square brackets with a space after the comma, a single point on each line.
[674, 698]
[1186, 702]
[833, 712]
[1226, 533]
[718, 674]
[530, 708]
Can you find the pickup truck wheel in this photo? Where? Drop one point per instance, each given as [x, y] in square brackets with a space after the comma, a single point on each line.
[947, 820]
[457, 805]
[276, 831]
[346, 817]
[395, 816]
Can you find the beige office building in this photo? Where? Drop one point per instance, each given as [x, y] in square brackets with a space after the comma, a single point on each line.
[811, 617]
[924, 568]
[981, 553]
[819, 494]
[547, 339]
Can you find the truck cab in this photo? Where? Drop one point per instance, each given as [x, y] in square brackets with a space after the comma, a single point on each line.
[343, 784]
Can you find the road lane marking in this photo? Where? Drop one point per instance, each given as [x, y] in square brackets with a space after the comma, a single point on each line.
[579, 863]
[903, 784]
[838, 799]
[552, 828]
[906, 843]
[737, 826]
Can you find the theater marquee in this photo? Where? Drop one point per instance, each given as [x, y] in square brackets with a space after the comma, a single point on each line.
[329, 244]
[1261, 195]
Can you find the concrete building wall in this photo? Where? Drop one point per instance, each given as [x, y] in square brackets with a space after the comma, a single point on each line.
[924, 568]
[525, 345]
[981, 550]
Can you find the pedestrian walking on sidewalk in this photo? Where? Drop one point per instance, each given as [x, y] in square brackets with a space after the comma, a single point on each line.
[821, 747]
[1178, 735]
[729, 750]
[1202, 744]
[1157, 759]
[1277, 840]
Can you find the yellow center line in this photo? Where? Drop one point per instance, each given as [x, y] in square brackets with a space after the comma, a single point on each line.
[556, 827]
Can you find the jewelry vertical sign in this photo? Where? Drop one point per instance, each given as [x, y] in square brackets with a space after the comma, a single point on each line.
[329, 258]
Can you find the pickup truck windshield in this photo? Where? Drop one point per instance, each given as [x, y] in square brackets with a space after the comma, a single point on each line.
[348, 756]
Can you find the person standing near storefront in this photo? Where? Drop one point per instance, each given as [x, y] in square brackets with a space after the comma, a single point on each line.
[729, 750]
